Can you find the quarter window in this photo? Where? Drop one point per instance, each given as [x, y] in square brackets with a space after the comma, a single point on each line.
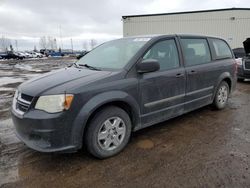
[196, 51]
[166, 53]
[221, 49]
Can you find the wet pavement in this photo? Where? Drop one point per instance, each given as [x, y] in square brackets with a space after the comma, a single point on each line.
[204, 148]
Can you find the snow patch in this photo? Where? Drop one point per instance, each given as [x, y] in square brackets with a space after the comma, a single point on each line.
[9, 80]
[26, 67]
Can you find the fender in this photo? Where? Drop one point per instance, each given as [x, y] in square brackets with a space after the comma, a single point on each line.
[225, 75]
[96, 102]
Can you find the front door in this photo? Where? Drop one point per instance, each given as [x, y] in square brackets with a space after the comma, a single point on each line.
[162, 92]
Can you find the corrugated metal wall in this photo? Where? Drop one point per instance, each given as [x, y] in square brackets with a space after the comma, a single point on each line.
[232, 25]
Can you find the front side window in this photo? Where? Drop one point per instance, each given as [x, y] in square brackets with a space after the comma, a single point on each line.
[114, 54]
[166, 53]
[221, 49]
[196, 51]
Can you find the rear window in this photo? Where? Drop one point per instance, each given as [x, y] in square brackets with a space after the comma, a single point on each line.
[196, 51]
[221, 49]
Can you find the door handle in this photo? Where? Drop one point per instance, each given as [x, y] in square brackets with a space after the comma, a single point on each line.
[178, 75]
[193, 72]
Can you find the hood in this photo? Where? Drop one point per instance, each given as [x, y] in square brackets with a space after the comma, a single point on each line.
[246, 45]
[60, 81]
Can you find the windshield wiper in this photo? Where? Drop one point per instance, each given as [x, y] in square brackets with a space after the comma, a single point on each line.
[74, 64]
[88, 66]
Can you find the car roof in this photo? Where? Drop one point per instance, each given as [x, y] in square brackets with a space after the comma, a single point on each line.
[171, 35]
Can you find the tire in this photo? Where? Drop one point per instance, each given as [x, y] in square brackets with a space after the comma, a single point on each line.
[108, 132]
[221, 96]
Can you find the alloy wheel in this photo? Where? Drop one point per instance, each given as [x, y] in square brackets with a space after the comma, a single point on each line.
[111, 133]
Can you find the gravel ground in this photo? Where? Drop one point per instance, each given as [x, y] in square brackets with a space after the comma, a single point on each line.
[204, 148]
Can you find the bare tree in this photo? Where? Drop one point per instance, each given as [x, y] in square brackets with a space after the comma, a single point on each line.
[72, 47]
[43, 43]
[55, 44]
[48, 43]
[93, 43]
[16, 43]
[4, 43]
[51, 43]
[85, 45]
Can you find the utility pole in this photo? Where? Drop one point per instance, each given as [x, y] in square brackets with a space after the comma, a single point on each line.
[72, 45]
[16, 45]
[60, 32]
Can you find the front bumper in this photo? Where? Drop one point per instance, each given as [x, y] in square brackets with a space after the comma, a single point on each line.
[45, 132]
[243, 73]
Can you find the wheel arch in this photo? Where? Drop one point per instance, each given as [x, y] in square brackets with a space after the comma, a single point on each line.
[226, 76]
[100, 101]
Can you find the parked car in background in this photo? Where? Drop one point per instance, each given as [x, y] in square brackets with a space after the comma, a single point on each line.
[55, 54]
[243, 61]
[239, 52]
[21, 54]
[27, 55]
[122, 86]
[3, 54]
[12, 55]
[47, 52]
[42, 51]
[36, 55]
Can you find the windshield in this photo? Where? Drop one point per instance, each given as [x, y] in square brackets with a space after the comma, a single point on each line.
[114, 54]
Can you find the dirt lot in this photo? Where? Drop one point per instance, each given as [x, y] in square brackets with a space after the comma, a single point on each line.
[204, 148]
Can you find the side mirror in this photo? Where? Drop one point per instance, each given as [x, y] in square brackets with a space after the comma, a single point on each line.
[148, 65]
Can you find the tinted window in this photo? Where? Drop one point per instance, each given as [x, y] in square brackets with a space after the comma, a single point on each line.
[166, 53]
[196, 51]
[221, 48]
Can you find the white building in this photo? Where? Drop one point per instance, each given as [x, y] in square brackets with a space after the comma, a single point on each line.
[231, 24]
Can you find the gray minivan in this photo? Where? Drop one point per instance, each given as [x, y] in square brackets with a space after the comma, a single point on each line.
[121, 86]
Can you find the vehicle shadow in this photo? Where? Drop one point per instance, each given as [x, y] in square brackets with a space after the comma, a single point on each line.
[246, 81]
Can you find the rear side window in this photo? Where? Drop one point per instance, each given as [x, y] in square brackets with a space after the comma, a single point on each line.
[221, 49]
[196, 51]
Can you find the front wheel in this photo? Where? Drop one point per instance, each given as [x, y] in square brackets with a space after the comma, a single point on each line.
[108, 132]
[221, 96]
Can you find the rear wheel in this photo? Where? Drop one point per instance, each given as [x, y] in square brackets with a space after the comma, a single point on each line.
[108, 132]
[221, 96]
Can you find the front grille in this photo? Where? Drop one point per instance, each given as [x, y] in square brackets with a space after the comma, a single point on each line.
[247, 64]
[23, 102]
[26, 97]
[22, 106]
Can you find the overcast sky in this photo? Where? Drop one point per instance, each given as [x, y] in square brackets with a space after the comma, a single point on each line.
[28, 20]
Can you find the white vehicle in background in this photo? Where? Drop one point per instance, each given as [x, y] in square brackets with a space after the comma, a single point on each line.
[28, 55]
[36, 54]
[22, 54]
[40, 55]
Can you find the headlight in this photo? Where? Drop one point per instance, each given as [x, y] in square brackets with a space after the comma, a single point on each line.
[54, 103]
[14, 100]
[239, 61]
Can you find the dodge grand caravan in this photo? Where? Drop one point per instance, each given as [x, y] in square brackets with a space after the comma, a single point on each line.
[122, 86]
